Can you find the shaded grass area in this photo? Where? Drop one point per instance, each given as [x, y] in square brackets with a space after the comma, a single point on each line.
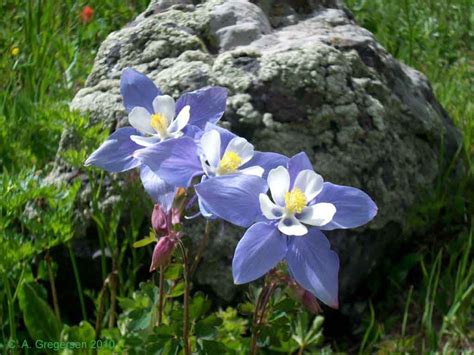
[426, 303]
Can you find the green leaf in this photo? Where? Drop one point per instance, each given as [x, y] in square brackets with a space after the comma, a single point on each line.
[246, 308]
[178, 290]
[83, 332]
[173, 271]
[140, 319]
[145, 241]
[199, 306]
[213, 347]
[207, 328]
[39, 318]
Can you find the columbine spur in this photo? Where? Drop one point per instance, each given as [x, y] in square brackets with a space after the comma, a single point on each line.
[289, 228]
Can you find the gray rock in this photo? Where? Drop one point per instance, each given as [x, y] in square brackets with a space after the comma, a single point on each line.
[237, 23]
[302, 76]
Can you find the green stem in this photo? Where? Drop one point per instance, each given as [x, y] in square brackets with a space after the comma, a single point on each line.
[11, 316]
[161, 296]
[202, 248]
[301, 350]
[103, 261]
[113, 284]
[187, 347]
[98, 218]
[78, 281]
[100, 311]
[53, 286]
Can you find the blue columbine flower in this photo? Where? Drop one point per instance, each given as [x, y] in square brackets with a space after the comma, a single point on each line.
[154, 120]
[288, 228]
[217, 155]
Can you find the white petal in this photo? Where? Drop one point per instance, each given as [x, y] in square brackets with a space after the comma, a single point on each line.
[289, 225]
[269, 209]
[209, 171]
[242, 148]
[310, 183]
[318, 214]
[174, 134]
[181, 120]
[145, 141]
[253, 170]
[279, 183]
[211, 146]
[140, 119]
[166, 106]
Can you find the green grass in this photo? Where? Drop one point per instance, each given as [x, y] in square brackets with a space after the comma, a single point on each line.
[427, 302]
[427, 305]
[56, 51]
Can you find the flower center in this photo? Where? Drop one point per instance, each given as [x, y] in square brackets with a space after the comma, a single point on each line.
[295, 200]
[229, 163]
[159, 124]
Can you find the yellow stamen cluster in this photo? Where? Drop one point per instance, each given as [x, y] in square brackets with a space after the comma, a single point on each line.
[159, 124]
[295, 200]
[229, 163]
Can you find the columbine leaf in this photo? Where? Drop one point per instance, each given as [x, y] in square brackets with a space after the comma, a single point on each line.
[145, 241]
[39, 318]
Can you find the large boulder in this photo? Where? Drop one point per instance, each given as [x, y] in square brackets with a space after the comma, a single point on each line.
[302, 76]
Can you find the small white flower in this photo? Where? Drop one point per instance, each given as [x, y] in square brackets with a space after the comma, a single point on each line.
[237, 153]
[291, 207]
[160, 125]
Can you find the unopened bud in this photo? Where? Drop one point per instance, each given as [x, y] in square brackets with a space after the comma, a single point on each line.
[159, 220]
[162, 252]
[310, 302]
[305, 297]
[162, 222]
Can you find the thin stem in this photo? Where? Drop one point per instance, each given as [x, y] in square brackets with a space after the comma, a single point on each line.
[97, 216]
[187, 348]
[11, 315]
[53, 286]
[161, 295]
[265, 301]
[100, 311]
[259, 314]
[301, 350]
[78, 281]
[20, 282]
[103, 261]
[253, 347]
[405, 314]
[113, 283]
[202, 248]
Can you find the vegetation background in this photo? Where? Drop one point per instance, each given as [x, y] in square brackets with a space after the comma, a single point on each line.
[47, 50]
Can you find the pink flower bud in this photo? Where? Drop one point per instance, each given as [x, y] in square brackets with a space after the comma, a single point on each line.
[162, 252]
[159, 220]
[305, 297]
[162, 221]
[310, 302]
